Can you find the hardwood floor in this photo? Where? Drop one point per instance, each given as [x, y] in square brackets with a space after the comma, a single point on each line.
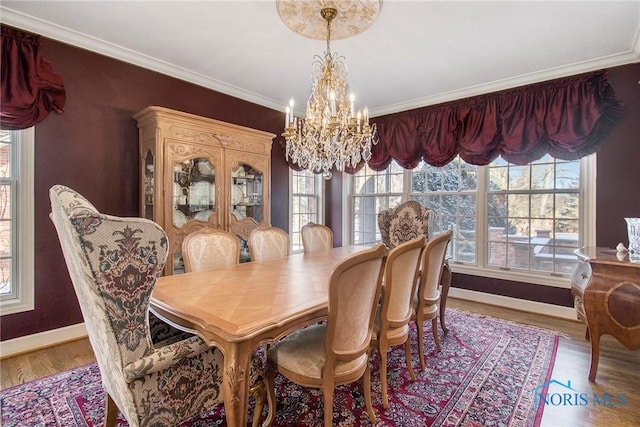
[41, 363]
[617, 385]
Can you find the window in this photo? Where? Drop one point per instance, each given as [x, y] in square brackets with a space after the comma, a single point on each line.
[305, 204]
[533, 215]
[16, 221]
[373, 192]
[513, 222]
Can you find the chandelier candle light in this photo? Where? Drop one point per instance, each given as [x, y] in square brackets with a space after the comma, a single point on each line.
[331, 134]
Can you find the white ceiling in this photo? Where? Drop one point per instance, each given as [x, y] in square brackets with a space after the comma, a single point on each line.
[416, 53]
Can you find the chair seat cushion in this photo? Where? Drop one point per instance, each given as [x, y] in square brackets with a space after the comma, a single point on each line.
[302, 353]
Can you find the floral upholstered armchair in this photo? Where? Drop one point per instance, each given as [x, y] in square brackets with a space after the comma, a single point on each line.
[403, 223]
[114, 264]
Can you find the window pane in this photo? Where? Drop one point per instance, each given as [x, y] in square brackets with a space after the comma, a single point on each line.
[497, 210]
[418, 182]
[6, 250]
[542, 205]
[542, 176]
[8, 246]
[397, 183]
[518, 205]
[518, 178]
[381, 184]
[567, 205]
[5, 201]
[497, 249]
[498, 178]
[5, 160]
[568, 175]
[434, 180]
[5, 276]
[468, 178]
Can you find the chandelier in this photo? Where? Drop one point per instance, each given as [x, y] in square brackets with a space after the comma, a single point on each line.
[332, 134]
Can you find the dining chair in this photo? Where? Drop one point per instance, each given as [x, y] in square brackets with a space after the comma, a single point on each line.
[406, 221]
[428, 296]
[209, 248]
[316, 237]
[266, 243]
[335, 352]
[391, 327]
[114, 264]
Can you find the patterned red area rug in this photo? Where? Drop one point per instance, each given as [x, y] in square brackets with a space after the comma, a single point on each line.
[484, 376]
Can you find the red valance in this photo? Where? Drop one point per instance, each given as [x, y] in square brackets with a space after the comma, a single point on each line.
[29, 88]
[567, 118]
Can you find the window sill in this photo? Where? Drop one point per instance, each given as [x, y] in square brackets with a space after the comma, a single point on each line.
[13, 306]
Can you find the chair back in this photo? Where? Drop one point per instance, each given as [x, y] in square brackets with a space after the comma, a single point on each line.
[268, 243]
[114, 264]
[354, 290]
[316, 237]
[401, 275]
[209, 248]
[432, 267]
[404, 222]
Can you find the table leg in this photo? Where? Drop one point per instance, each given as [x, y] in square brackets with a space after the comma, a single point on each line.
[235, 383]
[445, 283]
[595, 352]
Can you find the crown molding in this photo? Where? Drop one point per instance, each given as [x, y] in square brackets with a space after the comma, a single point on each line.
[522, 80]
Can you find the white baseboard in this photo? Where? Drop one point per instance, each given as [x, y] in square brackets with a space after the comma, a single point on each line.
[515, 303]
[41, 340]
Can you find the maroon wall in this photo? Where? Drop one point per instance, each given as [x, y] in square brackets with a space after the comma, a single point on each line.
[93, 148]
[618, 180]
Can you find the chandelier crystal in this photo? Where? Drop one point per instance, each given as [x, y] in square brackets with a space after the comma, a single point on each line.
[331, 134]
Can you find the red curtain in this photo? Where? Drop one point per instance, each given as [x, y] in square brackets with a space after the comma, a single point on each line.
[568, 118]
[29, 87]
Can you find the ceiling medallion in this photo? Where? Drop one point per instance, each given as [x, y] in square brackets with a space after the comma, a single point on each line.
[352, 17]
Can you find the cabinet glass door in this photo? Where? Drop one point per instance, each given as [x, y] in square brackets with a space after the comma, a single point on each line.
[247, 186]
[149, 186]
[246, 193]
[195, 205]
[194, 191]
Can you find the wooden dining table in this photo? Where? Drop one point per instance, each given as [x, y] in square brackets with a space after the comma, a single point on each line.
[241, 307]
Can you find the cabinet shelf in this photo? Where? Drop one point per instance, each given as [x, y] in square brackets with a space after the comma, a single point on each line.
[247, 204]
[238, 179]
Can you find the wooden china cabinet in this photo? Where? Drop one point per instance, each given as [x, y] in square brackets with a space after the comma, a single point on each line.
[199, 172]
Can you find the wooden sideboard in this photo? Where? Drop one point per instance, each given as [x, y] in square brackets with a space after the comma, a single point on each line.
[606, 292]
